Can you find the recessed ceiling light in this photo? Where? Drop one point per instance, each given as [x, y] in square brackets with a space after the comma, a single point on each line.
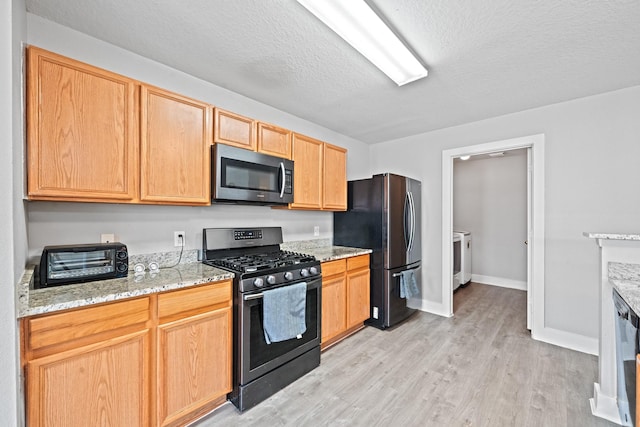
[358, 25]
[465, 157]
[498, 154]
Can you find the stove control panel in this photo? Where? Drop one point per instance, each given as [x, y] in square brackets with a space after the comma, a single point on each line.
[247, 234]
[263, 281]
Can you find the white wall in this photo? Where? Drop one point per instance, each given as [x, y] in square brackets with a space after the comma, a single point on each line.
[150, 228]
[592, 146]
[490, 201]
[12, 221]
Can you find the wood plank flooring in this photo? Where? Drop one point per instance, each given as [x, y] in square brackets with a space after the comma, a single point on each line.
[479, 368]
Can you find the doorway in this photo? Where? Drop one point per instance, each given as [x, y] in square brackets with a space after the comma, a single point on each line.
[535, 223]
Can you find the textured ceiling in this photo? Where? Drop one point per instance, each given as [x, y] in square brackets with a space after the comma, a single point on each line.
[485, 58]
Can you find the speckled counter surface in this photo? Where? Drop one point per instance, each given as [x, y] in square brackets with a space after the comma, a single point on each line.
[39, 301]
[625, 278]
[612, 236]
[323, 250]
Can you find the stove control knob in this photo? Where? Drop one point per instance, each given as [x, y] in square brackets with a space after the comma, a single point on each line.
[258, 282]
[271, 279]
[313, 270]
[288, 275]
[304, 272]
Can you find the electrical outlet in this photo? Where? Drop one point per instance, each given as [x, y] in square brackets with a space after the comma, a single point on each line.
[107, 238]
[316, 230]
[178, 238]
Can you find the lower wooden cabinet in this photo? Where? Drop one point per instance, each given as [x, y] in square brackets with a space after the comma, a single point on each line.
[345, 298]
[158, 360]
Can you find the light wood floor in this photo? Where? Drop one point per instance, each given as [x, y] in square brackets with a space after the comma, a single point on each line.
[479, 368]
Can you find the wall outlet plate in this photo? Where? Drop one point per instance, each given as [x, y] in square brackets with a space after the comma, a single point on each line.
[179, 238]
[316, 230]
[107, 238]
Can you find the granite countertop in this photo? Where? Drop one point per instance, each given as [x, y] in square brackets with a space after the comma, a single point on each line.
[612, 236]
[625, 278]
[48, 300]
[323, 250]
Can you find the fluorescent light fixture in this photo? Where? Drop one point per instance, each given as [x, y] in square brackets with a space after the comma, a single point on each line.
[358, 25]
[467, 157]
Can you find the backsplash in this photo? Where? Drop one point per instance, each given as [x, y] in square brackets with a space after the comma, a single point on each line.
[164, 259]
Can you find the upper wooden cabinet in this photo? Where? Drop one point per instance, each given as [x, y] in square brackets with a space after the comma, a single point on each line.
[307, 172]
[320, 175]
[234, 129]
[334, 189]
[274, 140]
[175, 141]
[81, 131]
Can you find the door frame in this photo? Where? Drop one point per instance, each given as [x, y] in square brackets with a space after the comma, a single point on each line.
[535, 204]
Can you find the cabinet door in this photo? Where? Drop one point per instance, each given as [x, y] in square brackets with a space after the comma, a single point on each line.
[274, 140]
[334, 193]
[175, 148]
[334, 320]
[357, 297]
[307, 172]
[81, 131]
[104, 384]
[194, 364]
[234, 129]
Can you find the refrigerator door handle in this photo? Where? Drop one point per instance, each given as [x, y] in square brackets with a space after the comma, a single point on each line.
[400, 273]
[412, 223]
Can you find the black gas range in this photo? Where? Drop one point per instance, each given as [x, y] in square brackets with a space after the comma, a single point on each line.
[261, 266]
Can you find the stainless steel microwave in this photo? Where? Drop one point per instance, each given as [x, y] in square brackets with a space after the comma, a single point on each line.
[66, 264]
[243, 176]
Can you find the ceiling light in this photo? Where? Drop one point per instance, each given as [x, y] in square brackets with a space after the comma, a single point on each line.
[467, 157]
[358, 25]
[498, 154]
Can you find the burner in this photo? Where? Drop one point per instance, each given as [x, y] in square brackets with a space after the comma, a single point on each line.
[262, 261]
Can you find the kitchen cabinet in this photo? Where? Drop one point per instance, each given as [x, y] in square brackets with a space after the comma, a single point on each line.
[88, 366]
[320, 175]
[82, 142]
[345, 298]
[334, 178]
[163, 360]
[175, 144]
[234, 129]
[194, 351]
[274, 140]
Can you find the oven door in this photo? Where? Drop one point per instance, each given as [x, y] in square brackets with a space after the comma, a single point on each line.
[255, 356]
[246, 176]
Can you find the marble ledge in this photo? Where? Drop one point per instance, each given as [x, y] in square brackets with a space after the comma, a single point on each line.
[40, 301]
[612, 236]
[625, 278]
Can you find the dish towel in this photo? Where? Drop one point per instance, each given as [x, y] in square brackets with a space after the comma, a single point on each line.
[283, 312]
[408, 285]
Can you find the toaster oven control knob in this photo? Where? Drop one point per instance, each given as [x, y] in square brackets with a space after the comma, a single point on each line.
[271, 279]
[304, 272]
[122, 268]
[258, 282]
[313, 270]
[288, 275]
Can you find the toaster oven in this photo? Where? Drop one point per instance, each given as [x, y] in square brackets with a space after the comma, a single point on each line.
[67, 264]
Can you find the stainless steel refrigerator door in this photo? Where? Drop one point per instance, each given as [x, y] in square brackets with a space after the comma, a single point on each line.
[402, 210]
[396, 309]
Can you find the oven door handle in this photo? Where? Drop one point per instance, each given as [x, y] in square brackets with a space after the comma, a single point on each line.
[253, 296]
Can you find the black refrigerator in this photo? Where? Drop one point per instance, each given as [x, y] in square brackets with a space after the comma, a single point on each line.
[383, 214]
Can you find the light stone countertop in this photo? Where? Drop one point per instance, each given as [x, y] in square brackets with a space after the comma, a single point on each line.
[612, 236]
[323, 250]
[48, 300]
[625, 278]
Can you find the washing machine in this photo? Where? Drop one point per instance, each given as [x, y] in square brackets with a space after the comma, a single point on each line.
[457, 260]
[465, 256]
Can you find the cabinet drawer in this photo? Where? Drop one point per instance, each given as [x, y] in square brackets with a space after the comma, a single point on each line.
[59, 328]
[194, 300]
[360, 261]
[330, 268]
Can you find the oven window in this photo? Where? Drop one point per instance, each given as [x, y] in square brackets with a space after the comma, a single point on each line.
[261, 352]
[249, 176]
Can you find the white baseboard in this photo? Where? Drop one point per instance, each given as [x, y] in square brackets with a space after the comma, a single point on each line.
[568, 340]
[436, 308]
[499, 281]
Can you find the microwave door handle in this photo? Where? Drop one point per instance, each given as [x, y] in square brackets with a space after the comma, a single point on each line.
[282, 182]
